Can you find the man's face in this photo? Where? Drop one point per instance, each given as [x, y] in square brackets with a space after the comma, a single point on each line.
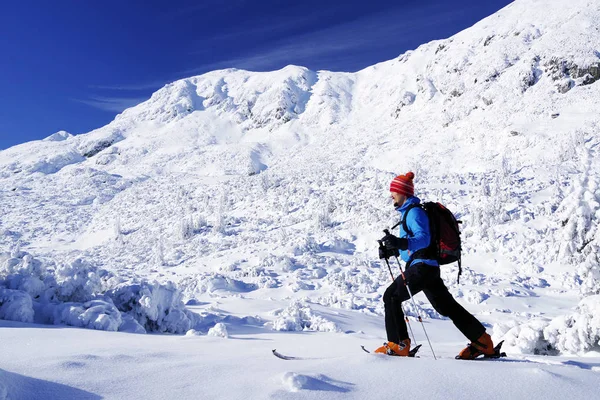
[398, 199]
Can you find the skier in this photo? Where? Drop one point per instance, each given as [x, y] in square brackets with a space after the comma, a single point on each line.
[422, 274]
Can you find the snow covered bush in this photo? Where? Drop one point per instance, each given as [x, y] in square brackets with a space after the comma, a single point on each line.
[576, 332]
[580, 220]
[579, 331]
[95, 314]
[589, 269]
[300, 317]
[79, 294]
[156, 307]
[78, 281]
[191, 225]
[20, 271]
[526, 338]
[15, 305]
[323, 220]
[214, 282]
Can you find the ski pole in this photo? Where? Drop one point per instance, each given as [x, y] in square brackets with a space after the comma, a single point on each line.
[393, 280]
[415, 306]
[406, 318]
[381, 246]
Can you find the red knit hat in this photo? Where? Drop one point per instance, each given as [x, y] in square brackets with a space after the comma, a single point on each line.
[403, 184]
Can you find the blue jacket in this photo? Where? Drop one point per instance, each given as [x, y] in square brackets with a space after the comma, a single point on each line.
[418, 223]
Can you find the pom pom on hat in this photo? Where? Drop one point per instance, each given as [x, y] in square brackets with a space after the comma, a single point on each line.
[403, 184]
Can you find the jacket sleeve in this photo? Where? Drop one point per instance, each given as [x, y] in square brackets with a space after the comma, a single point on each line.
[418, 223]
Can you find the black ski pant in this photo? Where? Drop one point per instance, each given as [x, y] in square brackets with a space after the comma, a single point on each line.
[426, 278]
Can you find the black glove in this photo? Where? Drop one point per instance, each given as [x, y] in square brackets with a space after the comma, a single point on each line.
[383, 253]
[394, 242]
[386, 253]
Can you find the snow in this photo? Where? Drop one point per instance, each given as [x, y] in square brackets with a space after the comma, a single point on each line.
[99, 364]
[237, 212]
[219, 330]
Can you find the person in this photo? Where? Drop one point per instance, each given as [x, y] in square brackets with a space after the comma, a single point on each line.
[422, 273]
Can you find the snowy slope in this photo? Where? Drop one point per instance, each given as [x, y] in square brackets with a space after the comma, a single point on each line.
[257, 199]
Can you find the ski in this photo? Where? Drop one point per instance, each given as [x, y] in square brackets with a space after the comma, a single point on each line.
[497, 354]
[412, 353]
[284, 357]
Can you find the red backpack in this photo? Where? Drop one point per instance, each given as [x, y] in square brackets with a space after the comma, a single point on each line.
[445, 246]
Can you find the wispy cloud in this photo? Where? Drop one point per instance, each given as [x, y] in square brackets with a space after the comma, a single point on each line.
[375, 31]
[341, 46]
[112, 104]
[132, 87]
[259, 29]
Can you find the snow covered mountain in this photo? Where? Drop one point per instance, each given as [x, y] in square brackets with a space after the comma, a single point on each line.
[257, 197]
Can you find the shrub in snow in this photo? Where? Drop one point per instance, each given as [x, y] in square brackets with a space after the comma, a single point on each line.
[79, 294]
[304, 245]
[283, 263]
[220, 282]
[472, 296]
[20, 271]
[213, 282]
[130, 324]
[353, 281]
[526, 338]
[589, 269]
[191, 225]
[219, 330]
[15, 305]
[157, 308]
[95, 314]
[78, 281]
[579, 331]
[300, 285]
[300, 317]
[324, 215]
[158, 253]
[576, 332]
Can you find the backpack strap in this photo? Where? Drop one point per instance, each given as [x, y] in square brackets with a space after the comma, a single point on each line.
[403, 222]
[422, 253]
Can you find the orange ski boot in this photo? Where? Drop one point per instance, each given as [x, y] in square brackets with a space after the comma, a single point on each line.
[482, 346]
[401, 349]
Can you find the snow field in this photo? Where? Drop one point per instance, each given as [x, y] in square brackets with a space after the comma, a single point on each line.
[112, 365]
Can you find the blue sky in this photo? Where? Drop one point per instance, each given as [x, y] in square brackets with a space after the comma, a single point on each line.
[73, 65]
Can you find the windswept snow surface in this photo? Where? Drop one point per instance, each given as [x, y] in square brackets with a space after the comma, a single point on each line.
[239, 211]
[62, 362]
